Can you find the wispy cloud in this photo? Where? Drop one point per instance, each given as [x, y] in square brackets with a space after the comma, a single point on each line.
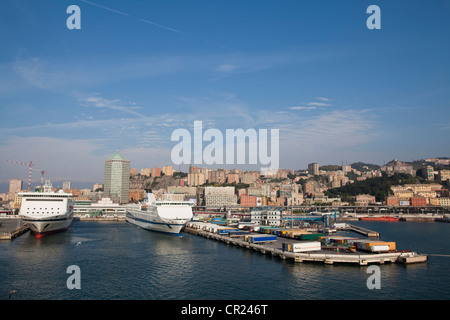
[100, 102]
[301, 108]
[319, 104]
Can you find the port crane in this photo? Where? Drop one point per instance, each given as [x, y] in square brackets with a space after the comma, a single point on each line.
[30, 165]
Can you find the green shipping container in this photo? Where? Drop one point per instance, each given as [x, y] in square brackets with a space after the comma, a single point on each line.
[311, 236]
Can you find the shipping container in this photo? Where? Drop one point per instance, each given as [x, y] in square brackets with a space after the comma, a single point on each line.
[235, 234]
[310, 236]
[227, 230]
[366, 245]
[379, 248]
[254, 238]
[302, 246]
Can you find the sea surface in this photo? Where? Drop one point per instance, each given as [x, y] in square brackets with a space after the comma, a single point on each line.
[119, 261]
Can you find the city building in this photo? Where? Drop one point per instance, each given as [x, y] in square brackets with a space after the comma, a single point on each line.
[117, 178]
[136, 195]
[156, 172]
[392, 201]
[445, 202]
[97, 186]
[444, 175]
[220, 196]
[418, 201]
[313, 168]
[15, 185]
[196, 179]
[218, 176]
[364, 200]
[167, 170]
[233, 178]
[271, 218]
[248, 201]
[145, 172]
[66, 185]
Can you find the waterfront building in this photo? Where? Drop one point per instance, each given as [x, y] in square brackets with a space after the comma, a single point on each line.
[117, 178]
[271, 217]
[220, 196]
[248, 201]
[393, 201]
[105, 206]
[418, 201]
[364, 200]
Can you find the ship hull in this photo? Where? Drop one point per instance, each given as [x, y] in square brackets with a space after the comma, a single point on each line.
[162, 219]
[164, 227]
[41, 228]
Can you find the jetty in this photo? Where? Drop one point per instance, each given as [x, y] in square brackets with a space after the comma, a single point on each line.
[364, 231]
[324, 256]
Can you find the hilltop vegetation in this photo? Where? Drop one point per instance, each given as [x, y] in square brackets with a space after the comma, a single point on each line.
[379, 187]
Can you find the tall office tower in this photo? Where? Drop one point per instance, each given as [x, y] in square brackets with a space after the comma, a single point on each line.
[117, 178]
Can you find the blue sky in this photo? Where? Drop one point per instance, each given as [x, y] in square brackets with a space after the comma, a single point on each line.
[137, 70]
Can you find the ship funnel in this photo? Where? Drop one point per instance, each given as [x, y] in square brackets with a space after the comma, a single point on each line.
[149, 197]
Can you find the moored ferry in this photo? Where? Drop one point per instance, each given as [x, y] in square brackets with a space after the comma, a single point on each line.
[46, 212]
[166, 216]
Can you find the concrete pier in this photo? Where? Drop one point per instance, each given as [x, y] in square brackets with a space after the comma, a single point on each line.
[322, 256]
[11, 228]
[361, 230]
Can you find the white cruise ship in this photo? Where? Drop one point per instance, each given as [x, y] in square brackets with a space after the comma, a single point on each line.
[46, 212]
[164, 216]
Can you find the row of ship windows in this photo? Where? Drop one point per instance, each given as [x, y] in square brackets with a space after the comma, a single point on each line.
[42, 212]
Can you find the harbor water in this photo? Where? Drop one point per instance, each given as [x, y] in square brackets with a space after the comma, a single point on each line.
[119, 261]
